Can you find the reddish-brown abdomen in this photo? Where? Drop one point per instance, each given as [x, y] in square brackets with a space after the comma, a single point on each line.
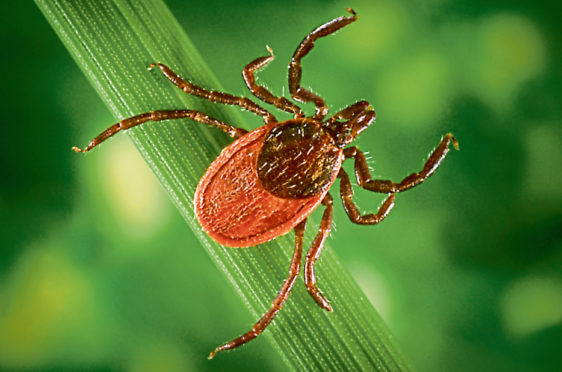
[232, 206]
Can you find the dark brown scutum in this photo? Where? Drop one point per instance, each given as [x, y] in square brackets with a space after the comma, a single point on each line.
[297, 159]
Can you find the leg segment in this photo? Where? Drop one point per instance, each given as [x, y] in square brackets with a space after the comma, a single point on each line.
[278, 302]
[387, 187]
[295, 71]
[233, 132]
[314, 253]
[262, 93]
[214, 96]
[351, 209]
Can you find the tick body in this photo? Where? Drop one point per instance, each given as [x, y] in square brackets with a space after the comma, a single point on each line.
[268, 181]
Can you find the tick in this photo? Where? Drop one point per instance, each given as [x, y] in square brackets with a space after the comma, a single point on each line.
[269, 180]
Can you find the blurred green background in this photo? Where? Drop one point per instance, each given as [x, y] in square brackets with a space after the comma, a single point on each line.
[99, 272]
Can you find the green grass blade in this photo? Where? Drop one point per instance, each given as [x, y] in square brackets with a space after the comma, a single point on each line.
[113, 42]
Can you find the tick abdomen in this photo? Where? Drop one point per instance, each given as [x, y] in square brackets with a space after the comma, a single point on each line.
[298, 159]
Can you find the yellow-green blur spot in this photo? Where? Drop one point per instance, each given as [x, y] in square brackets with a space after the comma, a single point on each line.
[531, 304]
[415, 90]
[544, 150]
[43, 304]
[131, 190]
[372, 41]
[157, 356]
[509, 51]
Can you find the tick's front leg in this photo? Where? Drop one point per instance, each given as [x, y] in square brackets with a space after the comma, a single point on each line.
[351, 209]
[385, 186]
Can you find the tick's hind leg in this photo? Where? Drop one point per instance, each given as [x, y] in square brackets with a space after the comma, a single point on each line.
[213, 95]
[314, 253]
[278, 302]
[384, 186]
[262, 93]
[295, 71]
[233, 132]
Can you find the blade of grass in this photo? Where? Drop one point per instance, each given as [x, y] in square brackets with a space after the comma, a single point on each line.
[113, 42]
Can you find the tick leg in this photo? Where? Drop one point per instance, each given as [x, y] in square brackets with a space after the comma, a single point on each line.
[214, 96]
[278, 302]
[262, 93]
[314, 253]
[197, 116]
[295, 71]
[387, 187]
[346, 193]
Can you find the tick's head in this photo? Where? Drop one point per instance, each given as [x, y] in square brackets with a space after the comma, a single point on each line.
[350, 122]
